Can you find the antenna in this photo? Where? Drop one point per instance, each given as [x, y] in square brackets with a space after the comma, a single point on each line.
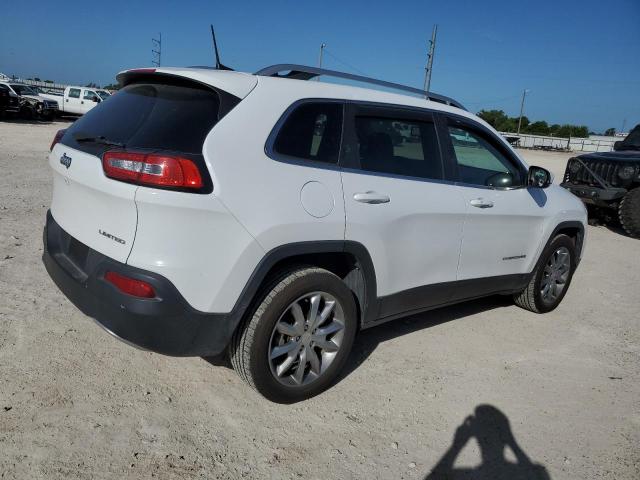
[322, 47]
[157, 54]
[219, 66]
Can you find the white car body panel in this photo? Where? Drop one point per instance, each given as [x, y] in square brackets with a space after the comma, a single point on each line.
[269, 204]
[195, 242]
[85, 203]
[414, 239]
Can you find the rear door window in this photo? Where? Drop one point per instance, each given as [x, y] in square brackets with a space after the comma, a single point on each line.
[74, 93]
[311, 131]
[398, 146]
[155, 116]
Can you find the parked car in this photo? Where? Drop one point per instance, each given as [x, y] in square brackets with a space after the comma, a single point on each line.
[203, 211]
[9, 101]
[32, 105]
[610, 180]
[79, 100]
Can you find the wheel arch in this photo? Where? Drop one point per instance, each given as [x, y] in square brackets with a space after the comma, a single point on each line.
[348, 260]
[573, 229]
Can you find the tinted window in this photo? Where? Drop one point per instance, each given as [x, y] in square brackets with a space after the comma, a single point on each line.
[478, 161]
[400, 147]
[147, 115]
[74, 93]
[312, 131]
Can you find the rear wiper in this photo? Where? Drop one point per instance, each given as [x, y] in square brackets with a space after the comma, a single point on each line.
[100, 140]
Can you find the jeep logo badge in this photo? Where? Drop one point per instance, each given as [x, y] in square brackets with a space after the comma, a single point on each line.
[65, 160]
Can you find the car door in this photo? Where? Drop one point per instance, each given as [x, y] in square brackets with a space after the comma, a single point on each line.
[87, 101]
[72, 101]
[504, 220]
[398, 205]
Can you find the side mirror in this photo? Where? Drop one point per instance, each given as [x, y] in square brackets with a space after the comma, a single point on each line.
[617, 145]
[539, 177]
[96, 100]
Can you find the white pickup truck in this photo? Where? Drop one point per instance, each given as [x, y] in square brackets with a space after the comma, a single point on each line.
[78, 100]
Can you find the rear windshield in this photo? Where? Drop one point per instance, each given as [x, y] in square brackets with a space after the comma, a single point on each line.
[150, 116]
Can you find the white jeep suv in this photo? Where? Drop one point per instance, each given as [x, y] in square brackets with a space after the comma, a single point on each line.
[200, 212]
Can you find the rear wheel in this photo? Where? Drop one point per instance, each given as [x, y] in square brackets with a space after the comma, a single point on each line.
[299, 337]
[552, 277]
[629, 212]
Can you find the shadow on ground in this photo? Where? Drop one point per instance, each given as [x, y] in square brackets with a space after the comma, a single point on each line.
[490, 428]
[368, 340]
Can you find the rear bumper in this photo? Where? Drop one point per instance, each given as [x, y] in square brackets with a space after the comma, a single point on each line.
[595, 195]
[166, 324]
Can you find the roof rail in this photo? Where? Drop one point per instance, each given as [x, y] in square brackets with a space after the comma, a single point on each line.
[302, 72]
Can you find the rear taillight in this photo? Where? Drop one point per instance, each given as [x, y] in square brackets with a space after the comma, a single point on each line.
[152, 169]
[130, 286]
[57, 138]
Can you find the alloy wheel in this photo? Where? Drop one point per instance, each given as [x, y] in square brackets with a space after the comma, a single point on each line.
[555, 275]
[306, 339]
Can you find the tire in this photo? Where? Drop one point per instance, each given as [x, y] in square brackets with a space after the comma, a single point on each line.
[261, 353]
[27, 113]
[533, 298]
[629, 212]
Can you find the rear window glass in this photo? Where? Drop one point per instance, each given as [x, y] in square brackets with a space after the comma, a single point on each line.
[150, 116]
[312, 132]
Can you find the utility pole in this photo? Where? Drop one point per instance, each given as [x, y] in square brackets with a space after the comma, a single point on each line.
[429, 66]
[157, 54]
[524, 94]
[320, 58]
[624, 124]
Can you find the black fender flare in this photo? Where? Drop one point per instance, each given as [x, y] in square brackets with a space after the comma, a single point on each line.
[570, 224]
[369, 304]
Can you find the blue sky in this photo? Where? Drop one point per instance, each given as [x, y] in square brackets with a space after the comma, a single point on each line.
[580, 59]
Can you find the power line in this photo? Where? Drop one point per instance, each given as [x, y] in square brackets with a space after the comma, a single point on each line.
[348, 65]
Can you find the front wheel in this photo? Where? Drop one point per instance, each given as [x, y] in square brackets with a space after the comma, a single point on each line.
[629, 212]
[300, 336]
[551, 278]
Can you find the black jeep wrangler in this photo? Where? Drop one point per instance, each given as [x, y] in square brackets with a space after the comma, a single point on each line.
[610, 180]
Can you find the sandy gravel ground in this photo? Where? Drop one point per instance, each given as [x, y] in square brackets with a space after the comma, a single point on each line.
[76, 403]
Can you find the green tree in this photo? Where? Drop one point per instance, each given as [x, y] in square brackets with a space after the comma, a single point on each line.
[538, 128]
[610, 132]
[493, 117]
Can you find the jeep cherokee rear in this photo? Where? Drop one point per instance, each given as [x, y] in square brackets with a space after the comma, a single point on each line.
[198, 212]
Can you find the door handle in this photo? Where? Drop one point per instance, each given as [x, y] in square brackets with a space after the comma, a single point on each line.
[82, 102]
[481, 203]
[371, 197]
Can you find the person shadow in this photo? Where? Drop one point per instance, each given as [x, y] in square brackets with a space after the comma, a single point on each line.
[490, 428]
